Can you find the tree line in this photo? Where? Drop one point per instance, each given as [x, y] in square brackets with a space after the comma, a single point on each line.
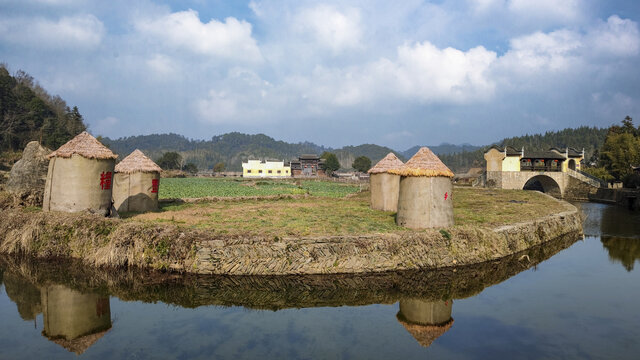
[28, 112]
[619, 154]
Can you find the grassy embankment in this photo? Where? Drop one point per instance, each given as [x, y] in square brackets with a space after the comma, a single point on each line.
[325, 210]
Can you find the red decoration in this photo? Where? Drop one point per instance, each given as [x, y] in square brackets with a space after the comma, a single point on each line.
[155, 184]
[446, 195]
[105, 180]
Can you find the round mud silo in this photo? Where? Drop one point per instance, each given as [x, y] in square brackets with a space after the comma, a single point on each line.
[383, 185]
[80, 177]
[137, 181]
[424, 197]
[425, 320]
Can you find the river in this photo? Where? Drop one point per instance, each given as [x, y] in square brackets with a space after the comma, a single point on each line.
[571, 299]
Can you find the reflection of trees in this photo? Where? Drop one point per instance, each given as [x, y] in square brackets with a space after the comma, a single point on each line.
[618, 221]
[425, 320]
[623, 250]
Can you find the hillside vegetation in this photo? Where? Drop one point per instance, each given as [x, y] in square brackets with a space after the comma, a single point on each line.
[28, 112]
[234, 148]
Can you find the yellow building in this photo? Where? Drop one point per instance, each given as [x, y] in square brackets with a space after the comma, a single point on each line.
[265, 169]
[511, 159]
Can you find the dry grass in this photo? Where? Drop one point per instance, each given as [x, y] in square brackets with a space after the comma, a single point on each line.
[320, 216]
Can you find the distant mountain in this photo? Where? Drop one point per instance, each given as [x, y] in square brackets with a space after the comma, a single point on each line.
[442, 149]
[348, 154]
[234, 148]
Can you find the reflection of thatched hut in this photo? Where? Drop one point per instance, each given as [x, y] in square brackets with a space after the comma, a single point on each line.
[425, 321]
[385, 186]
[72, 319]
[424, 199]
[136, 183]
[80, 176]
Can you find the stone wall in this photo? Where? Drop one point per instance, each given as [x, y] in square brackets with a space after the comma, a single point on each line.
[628, 198]
[428, 249]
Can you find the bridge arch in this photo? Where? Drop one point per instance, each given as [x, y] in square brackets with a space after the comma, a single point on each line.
[545, 184]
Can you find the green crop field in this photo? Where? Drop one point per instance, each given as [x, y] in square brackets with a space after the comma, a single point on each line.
[171, 188]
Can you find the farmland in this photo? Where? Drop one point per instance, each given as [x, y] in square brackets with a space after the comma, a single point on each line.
[331, 214]
[183, 188]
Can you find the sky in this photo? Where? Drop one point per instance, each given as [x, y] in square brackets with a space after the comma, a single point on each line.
[393, 73]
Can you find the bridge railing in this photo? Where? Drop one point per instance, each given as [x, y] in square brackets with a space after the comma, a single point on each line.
[595, 180]
[540, 168]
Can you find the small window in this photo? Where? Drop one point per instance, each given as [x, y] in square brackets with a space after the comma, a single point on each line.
[259, 171]
[248, 171]
[279, 171]
[270, 171]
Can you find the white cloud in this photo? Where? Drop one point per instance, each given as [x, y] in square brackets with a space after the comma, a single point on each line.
[230, 39]
[616, 37]
[331, 28]
[553, 51]
[567, 10]
[84, 31]
[162, 64]
[481, 6]
[421, 72]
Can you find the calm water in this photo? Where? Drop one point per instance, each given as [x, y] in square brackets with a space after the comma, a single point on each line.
[569, 299]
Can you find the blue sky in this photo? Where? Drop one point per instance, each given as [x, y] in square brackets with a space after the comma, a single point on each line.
[335, 72]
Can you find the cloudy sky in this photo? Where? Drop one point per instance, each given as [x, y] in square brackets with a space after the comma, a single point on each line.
[395, 73]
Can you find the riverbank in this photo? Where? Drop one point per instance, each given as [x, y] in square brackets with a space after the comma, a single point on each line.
[628, 198]
[268, 292]
[241, 237]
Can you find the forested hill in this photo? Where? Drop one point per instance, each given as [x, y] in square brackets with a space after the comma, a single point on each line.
[233, 148]
[589, 138]
[230, 149]
[442, 149]
[28, 112]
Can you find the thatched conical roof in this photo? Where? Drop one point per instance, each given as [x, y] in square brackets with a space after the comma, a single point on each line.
[425, 334]
[423, 163]
[389, 162]
[85, 145]
[81, 344]
[137, 162]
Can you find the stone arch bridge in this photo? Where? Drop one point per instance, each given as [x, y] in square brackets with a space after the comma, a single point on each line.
[572, 184]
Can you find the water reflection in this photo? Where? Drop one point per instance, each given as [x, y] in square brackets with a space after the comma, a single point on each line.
[75, 316]
[623, 250]
[619, 221]
[24, 294]
[619, 231]
[72, 319]
[425, 320]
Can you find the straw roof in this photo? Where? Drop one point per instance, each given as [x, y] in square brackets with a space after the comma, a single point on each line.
[389, 162]
[425, 334]
[137, 162]
[423, 163]
[81, 344]
[85, 145]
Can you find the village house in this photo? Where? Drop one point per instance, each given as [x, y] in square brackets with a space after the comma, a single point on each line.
[265, 169]
[308, 165]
